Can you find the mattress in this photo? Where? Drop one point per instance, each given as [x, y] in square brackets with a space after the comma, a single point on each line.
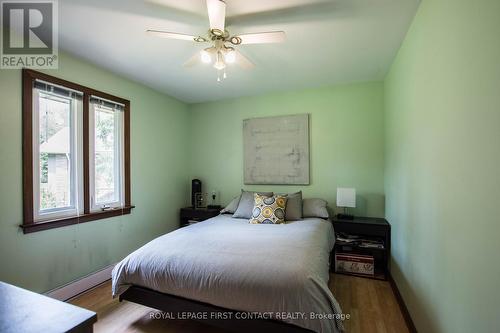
[280, 270]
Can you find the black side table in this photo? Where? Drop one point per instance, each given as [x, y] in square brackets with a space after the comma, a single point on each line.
[189, 215]
[369, 228]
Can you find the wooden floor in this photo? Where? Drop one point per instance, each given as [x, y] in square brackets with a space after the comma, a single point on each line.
[370, 303]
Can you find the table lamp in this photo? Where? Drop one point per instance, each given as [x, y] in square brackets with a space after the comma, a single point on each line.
[346, 198]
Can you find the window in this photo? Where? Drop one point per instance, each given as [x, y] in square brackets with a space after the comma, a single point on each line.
[75, 150]
[106, 165]
[57, 151]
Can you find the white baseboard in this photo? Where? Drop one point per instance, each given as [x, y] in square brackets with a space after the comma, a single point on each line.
[79, 286]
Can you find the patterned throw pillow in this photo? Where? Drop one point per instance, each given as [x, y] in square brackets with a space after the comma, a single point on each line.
[268, 210]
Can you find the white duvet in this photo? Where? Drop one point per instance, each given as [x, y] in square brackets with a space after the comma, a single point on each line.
[281, 270]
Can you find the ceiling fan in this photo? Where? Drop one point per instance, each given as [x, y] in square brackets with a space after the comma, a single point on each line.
[222, 52]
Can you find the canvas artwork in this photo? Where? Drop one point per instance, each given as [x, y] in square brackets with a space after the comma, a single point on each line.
[276, 150]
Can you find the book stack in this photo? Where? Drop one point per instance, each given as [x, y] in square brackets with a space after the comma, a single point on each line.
[358, 241]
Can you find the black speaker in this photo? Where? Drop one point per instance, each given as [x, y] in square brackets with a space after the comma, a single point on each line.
[195, 188]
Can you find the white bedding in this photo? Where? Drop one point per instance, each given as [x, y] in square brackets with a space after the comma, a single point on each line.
[241, 266]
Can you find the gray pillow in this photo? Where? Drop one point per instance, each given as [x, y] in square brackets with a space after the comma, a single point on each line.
[245, 206]
[314, 208]
[293, 211]
[232, 206]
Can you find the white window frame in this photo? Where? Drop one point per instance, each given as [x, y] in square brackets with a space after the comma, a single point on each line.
[76, 164]
[118, 158]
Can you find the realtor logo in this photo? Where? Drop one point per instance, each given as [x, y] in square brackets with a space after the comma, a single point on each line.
[29, 34]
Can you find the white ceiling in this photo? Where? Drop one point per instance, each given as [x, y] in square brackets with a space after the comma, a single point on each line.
[328, 42]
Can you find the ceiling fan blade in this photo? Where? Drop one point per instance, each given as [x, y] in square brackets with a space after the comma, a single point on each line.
[243, 61]
[175, 35]
[216, 14]
[193, 61]
[259, 38]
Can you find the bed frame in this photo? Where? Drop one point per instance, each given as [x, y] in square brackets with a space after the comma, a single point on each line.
[175, 305]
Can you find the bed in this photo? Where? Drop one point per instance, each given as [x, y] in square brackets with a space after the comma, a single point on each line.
[276, 273]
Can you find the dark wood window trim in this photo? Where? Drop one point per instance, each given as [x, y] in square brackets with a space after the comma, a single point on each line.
[29, 225]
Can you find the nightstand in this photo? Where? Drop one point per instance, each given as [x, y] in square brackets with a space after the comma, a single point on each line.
[189, 215]
[376, 229]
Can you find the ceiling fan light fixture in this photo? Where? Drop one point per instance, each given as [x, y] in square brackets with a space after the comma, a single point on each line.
[217, 32]
[200, 39]
[205, 57]
[220, 65]
[235, 40]
[230, 56]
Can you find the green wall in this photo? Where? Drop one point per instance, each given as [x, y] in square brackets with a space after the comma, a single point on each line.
[442, 177]
[44, 260]
[438, 166]
[346, 142]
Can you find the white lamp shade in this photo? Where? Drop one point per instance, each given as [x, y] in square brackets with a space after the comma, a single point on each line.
[346, 197]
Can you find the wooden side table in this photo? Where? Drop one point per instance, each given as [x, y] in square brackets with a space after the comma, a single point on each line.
[190, 215]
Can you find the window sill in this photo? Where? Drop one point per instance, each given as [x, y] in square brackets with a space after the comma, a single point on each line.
[51, 224]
